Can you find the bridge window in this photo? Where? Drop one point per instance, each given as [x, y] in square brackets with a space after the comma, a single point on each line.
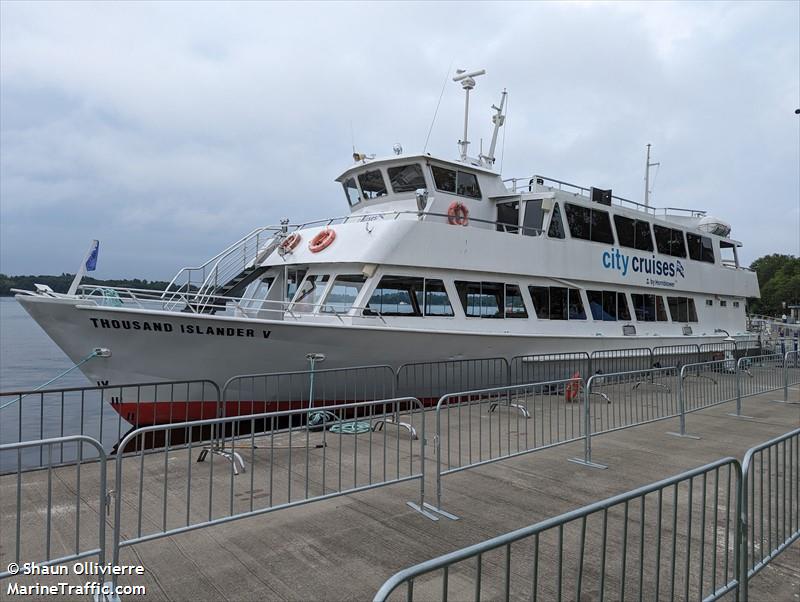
[534, 218]
[589, 224]
[669, 241]
[309, 294]
[461, 183]
[351, 190]
[372, 184]
[557, 303]
[633, 233]
[508, 217]
[700, 247]
[406, 178]
[682, 309]
[481, 299]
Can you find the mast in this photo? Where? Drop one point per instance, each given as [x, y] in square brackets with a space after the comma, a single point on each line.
[647, 166]
[467, 83]
[498, 119]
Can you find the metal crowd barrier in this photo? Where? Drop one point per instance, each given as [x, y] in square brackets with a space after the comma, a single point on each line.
[676, 538]
[479, 427]
[287, 467]
[56, 544]
[770, 501]
[791, 368]
[428, 381]
[546, 367]
[760, 374]
[104, 413]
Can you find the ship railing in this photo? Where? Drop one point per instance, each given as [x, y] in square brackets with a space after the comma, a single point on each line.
[529, 183]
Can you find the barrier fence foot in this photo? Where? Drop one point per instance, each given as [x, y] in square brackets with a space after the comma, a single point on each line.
[399, 424]
[439, 511]
[107, 594]
[740, 416]
[422, 511]
[588, 463]
[684, 435]
[233, 457]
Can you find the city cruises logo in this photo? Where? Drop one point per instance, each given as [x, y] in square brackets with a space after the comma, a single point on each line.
[624, 263]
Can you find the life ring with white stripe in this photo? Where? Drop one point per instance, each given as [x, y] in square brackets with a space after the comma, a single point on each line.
[458, 214]
[291, 242]
[322, 240]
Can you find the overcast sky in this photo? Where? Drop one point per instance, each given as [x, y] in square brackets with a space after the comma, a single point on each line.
[169, 130]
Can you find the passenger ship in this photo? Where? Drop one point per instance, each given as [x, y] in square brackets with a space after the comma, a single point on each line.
[437, 259]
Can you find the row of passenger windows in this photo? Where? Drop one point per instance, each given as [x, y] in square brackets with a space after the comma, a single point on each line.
[415, 296]
[594, 224]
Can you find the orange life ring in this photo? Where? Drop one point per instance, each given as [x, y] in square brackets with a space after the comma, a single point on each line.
[457, 214]
[291, 241]
[573, 388]
[322, 240]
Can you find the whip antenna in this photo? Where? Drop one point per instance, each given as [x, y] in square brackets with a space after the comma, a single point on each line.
[430, 129]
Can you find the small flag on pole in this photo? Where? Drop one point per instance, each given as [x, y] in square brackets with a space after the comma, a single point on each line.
[91, 262]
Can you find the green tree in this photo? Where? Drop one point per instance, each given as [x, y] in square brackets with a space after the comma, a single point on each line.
[779, 281]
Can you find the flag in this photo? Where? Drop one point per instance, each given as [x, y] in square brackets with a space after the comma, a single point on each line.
[91, 261]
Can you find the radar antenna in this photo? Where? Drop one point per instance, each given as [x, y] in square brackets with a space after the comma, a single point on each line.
[467, 83]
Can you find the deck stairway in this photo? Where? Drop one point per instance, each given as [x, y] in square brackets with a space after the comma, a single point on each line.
[208, 287]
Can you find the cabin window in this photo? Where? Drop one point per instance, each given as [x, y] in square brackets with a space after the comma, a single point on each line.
[351, 190]
[437, 303]
[372, 184]
[406, 178]
[343, 293]
[608, 306]
[723, 303]
[589, 224]
[461, 183]
[293, 279]
[700, 247]
[481, 299]
[309, 294]
[682, 309]
[736, 304]
[515, 305]
[669, 241]
[709, 302]
[508, 217]
[556, 228]
[557, 303]
[649, 308]
[534, 218]
[633, 233]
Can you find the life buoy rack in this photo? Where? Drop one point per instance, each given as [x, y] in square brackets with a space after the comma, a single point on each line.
[457, 214]
[322, 240]
[573, 389]
[290, 242]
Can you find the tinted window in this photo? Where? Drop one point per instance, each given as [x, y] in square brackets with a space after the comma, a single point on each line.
[669, 241]
[661, 311]
[343, 293]
[508, 217]
[541, 301]
[576, 311]
[634, 234]
[559, 304]
[608, 306]
[534, 218]
[589, 224]
[406, 178]
[515, 306]
[437, 303]
[481, 299]
[372, 184]
[351, 191]
[700, 247]
[556, 229]
[682, 309]
[467, 185]
[445, 179]
[645, 307]
[623, 313]
[396, 296]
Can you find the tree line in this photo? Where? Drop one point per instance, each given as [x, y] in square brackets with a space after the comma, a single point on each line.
[60, 284]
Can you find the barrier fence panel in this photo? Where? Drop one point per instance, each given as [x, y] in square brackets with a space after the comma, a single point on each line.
[545, 367]
[759, 374]
[673, 539]
[279, 391]
[791, 372]
[621, 360]
[770, 500]
[478, 427]
[708, 383]
[624, 399]
[269, 469]
[675, 356]
[104, 413]
[428, 381]
[50, 518]
[711, 352]
[752, 346]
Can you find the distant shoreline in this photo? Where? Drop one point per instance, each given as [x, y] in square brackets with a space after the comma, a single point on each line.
[60, 284]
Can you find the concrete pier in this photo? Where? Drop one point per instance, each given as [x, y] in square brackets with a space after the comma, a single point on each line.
[346, 547]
